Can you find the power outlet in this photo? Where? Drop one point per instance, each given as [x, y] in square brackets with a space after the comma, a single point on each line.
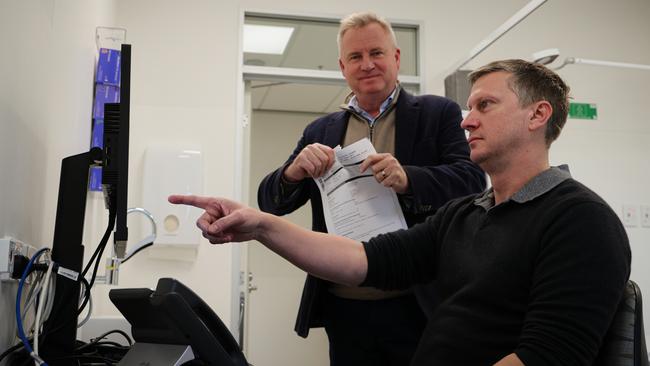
[9, 247]
[645, 215]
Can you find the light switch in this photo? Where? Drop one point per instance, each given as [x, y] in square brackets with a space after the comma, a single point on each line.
[645, 216]
[630, 215]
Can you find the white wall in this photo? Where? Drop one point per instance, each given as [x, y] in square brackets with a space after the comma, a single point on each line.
[46, 72]
[182, 92]
[184, 82]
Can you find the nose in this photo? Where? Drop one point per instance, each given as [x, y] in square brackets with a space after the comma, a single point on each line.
[367, 63]
[469, 123]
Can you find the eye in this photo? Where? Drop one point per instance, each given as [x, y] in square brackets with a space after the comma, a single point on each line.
[377, 53]
[483, 104]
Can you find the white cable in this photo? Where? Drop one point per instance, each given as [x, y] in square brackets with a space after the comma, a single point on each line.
[34, 290]
[41, 304]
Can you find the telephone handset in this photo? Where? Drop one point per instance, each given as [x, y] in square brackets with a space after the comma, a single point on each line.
[174, 315]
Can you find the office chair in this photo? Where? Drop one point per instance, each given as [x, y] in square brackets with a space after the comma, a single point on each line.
[624, 343]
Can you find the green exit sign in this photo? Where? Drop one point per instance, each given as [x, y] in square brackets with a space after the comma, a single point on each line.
[583, 111]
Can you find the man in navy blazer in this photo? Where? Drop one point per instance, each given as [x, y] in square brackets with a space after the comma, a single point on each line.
[422, 154]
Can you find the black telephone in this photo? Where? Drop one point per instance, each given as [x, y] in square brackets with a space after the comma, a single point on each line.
[174, 315]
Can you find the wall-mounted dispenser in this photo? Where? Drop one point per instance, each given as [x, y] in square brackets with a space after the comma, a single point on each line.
[173, 170]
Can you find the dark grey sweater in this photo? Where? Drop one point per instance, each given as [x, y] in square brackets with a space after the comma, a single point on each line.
[539, 275]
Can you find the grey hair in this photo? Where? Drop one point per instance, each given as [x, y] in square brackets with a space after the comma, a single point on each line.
[359, 20]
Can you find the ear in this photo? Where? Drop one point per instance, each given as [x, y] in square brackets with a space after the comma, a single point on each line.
[540, 112]
[341, 65]
[398, 57]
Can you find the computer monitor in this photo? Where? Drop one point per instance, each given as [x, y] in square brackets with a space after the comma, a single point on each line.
[115, 168]
[60, 330]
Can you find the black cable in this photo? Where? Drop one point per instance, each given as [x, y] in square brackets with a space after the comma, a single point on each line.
[98, 254]
[97, 340]
[109, 344]
[100, 248]
[96, 258]
[11, 350]
[118, 331]
[102, 245]
[136, 252]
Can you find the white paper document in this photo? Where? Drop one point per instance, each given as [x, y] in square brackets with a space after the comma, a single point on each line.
[355, 205]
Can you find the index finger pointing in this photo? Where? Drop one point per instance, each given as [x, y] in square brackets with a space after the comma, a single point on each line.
[192, 200]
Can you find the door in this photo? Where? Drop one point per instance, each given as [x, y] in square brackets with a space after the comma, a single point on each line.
[276, 285]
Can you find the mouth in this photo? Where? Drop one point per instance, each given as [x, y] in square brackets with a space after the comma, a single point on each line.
[368, 77]
[472, 139]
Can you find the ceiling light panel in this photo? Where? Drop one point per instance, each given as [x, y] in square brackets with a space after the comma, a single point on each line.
[266, 39]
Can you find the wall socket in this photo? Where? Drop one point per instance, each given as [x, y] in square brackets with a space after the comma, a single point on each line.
[9, 247]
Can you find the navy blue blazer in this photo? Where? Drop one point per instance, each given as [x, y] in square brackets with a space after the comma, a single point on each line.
[429, 144]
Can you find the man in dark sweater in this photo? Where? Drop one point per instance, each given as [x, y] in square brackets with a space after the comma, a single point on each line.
[529, 272]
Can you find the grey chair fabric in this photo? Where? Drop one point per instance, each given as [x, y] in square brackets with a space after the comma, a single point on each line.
[624, 344]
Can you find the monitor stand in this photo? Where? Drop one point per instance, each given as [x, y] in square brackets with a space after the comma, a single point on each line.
[60, 330]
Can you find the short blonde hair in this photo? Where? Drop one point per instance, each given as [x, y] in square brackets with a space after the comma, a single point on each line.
[532, 82]
[360, 20]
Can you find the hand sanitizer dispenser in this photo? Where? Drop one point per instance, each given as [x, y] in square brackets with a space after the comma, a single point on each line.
[173, 170]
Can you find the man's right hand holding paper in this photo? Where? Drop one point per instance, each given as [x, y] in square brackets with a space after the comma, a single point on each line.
[312, 162]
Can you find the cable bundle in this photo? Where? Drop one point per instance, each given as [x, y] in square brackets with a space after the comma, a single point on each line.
[41, 295]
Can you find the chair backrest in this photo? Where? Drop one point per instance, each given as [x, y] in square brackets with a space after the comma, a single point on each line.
[624, 344]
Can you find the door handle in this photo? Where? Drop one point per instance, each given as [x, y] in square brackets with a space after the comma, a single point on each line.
[251, 287]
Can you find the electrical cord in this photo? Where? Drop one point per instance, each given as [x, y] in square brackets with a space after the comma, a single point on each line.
[90, 307]
[100, 248]
[43, 299]
[19, 320]
[36, 271]
[144, 246]
[114, 331]
[11, 350]
[96, 258]
[112, 213]
[31, 299]
[33, 293]
[91, 353]
[46, 306]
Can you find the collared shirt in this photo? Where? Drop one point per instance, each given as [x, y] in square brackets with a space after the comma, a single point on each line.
[354, 104]
[540, 184]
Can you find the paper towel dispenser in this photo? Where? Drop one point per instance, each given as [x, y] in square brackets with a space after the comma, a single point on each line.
[173, 170]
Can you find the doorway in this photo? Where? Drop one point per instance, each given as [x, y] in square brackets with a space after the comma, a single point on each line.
[282, 94]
